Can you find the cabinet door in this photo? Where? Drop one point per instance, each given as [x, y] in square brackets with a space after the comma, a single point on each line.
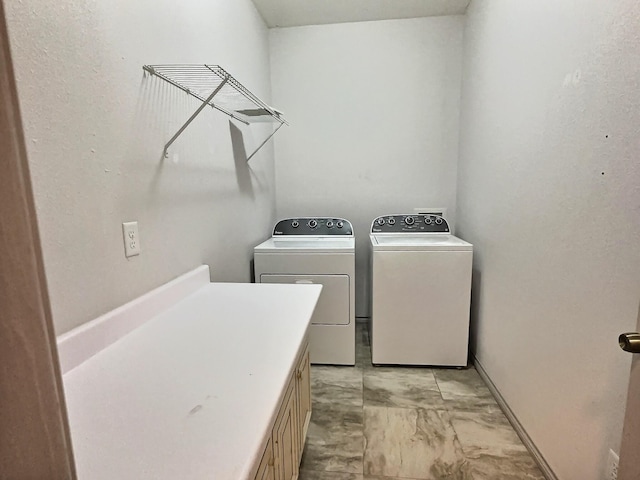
[303, 387]
[285, 438]
[266, 469]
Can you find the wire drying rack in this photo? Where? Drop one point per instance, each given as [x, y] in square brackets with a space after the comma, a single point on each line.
[215, 87]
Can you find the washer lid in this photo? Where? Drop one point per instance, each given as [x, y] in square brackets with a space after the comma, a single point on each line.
[307, 245]
[425, 242]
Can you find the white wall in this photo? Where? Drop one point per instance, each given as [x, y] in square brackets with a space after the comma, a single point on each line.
[549, 193]
[374, 108]
[95, 129]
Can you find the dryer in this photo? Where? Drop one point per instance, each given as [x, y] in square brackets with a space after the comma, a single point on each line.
[420, 292]
[321, 251]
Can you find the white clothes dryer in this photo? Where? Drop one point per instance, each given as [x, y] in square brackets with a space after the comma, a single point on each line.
[321, 251]
[420, 292]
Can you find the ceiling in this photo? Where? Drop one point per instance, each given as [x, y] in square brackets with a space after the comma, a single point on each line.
[291, 13]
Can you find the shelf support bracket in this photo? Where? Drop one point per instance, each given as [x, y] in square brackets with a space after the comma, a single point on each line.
[265, 141]
[195, 114]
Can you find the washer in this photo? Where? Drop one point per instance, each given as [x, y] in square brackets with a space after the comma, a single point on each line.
[317, 250]
[420, 292]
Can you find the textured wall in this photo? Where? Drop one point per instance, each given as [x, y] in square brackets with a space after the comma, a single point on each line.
[95, 129]
[549, 193]
[374, 108]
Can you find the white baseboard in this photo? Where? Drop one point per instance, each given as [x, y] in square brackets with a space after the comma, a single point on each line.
[517, 426]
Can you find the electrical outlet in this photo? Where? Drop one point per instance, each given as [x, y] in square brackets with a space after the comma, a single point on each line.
[131, 239]
[431, 211]
[612, 466]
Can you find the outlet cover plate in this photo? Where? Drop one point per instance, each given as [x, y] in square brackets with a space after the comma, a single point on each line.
[131, 239]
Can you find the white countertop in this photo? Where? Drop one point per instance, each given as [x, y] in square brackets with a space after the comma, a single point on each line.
[192, 393]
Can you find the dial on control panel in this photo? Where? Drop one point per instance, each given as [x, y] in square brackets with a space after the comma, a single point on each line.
[313, 223]
[295, 224]
[409, 220]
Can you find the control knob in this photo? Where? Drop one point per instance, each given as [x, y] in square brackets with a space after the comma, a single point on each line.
[313, 223]
[329, 223]
[295, 224]
[391, 221]
[428, 220]
[409, 220]
[380, 221]
[438, 220]
[340, 224]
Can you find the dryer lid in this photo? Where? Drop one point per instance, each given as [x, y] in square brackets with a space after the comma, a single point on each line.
[307, 245]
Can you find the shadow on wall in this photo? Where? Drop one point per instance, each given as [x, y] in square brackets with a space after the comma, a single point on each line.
[243, 173]
[475, 312]
[161, 110]
[185, 175]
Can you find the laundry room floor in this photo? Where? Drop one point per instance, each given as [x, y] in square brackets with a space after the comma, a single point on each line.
[392, 423]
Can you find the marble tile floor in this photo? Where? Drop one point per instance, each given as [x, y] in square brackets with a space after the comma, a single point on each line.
[408, 423]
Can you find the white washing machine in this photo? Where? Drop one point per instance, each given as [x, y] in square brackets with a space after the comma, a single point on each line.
[420, 292]
[321, 251]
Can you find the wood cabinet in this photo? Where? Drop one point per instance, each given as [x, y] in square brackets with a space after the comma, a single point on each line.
[266, 469]
[283, 451]
[303, 387]
[285, 438]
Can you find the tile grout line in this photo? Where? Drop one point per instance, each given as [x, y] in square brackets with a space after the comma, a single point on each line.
[422, 402]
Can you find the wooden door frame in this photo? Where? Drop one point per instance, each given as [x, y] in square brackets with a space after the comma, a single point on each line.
[34, 434]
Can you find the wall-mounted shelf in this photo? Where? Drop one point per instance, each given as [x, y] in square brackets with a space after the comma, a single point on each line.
[209, 82]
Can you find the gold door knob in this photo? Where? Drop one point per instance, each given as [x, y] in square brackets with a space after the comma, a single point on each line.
[630, 342]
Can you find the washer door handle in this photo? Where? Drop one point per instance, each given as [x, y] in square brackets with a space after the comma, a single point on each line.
[304, 281]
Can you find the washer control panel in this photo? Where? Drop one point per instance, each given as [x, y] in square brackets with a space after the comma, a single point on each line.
[410, 223]
[313, 226]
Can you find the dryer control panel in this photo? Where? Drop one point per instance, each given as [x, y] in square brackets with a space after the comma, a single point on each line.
[313, 226]
[410, 223]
